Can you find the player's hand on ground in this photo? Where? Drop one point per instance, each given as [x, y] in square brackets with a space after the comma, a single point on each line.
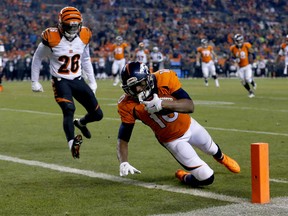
[126, 168]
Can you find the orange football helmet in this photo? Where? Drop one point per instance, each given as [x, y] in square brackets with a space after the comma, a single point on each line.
[70, 22]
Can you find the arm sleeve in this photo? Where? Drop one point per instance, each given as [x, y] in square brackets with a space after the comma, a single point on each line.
[88, 68]
[181, 94]
[39, 54]
[125, 131]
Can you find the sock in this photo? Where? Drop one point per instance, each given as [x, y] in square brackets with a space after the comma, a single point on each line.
[247, 87]
[70, 143]
[218, 154]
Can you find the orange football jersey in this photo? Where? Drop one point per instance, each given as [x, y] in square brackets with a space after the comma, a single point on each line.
[241, 53]
[166, 127]
[206, 53]
[119, 50]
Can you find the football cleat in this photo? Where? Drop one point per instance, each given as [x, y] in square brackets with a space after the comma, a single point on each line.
[1, 88]
[251, 95]
[229, 163]
[84, 130]
[180, 174]
[75, 150]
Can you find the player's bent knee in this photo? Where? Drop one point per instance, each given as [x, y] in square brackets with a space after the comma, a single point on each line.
[208, 181]
[96, 115]
[203, 172]
[67, 108]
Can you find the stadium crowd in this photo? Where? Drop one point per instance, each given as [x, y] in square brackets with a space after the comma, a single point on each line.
[176, 27]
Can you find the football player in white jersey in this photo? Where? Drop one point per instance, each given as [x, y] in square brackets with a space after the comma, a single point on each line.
[67, 48]
[2, 50]
[141, 54]
[284, 52]
[156, 59]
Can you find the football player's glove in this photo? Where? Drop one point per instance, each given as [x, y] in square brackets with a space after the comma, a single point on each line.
[153, 106]
[126, 168]
[37, 87]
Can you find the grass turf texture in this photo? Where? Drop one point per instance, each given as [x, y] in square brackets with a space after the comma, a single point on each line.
[31, 129]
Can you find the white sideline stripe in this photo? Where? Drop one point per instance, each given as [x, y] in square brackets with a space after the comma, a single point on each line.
[116, 119]
[92, 174]
[248, 131]
[279, 181]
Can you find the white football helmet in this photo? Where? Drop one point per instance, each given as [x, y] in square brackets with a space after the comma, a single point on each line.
[204, 42]
[119, 40]
[141, 45]
[239, 40]
[155, 49]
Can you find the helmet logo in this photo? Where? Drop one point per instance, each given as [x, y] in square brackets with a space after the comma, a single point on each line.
[131, 81]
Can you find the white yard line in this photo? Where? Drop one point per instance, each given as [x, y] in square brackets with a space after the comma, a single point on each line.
[277, 206]
[92, 174]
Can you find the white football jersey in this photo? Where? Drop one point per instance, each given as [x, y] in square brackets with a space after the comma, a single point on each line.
[284, 52]
[156, 57]
[141, 56]
[68, 59]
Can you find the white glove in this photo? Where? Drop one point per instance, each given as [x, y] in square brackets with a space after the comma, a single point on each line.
[198, 64]
[154, 105]
[37, 87]
[125, 168]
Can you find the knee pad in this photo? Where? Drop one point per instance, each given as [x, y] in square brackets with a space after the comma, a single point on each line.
[96, 115]
[67, 108]
[202, 173]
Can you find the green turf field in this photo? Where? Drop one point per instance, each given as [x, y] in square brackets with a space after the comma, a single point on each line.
[40, 177]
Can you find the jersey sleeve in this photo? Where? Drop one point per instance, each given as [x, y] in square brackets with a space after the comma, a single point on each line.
[125, 110]
[167, 81]
[39, 54]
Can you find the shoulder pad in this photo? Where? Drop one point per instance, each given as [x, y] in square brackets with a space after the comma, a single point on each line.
[85, 35]
[51, 37]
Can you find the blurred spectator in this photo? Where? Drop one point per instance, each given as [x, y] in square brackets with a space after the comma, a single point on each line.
[176, 28]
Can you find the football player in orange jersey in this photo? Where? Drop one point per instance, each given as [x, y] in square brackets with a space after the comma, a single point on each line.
[208, 58]
[284, 52]
[118, 49]
[2, 50]
[159, 101]
[67, 48]
[242, 54]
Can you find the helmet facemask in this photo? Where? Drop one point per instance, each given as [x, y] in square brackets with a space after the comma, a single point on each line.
[70, 30]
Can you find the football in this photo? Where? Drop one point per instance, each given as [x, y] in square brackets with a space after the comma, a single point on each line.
[167, 98]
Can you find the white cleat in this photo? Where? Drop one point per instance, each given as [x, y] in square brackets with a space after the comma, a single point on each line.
[251, 95]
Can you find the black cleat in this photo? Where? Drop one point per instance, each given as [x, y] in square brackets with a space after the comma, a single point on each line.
[75, 150]
[84, 130]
